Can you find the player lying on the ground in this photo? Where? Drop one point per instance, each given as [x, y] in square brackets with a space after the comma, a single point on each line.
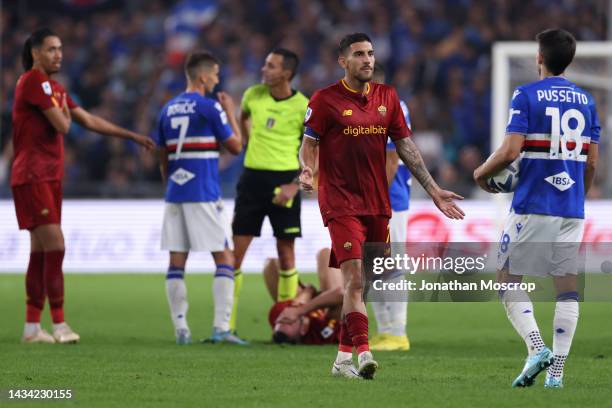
[555, 124]
[311, 317]
[43, 112]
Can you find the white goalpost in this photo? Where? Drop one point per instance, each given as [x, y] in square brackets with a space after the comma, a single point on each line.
[513, 64]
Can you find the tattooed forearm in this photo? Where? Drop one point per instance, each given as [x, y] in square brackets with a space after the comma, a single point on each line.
[308, 153]
[409, 153]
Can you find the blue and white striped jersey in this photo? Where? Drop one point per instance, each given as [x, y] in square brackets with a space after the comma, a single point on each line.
[191, 127]
[559, 121]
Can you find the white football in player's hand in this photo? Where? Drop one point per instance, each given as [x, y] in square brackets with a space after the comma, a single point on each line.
[506, 180]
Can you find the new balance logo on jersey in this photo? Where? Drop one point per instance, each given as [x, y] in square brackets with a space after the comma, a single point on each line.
[561, 181]
[181, 176]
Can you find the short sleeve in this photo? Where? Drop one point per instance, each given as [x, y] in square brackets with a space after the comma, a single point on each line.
[595, 127]
[218, 121]
[518, 117]
[39, 93]
[246, 100]
[315, 120]
[398, 128]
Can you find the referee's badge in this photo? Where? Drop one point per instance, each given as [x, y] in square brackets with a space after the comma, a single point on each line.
[270, 123]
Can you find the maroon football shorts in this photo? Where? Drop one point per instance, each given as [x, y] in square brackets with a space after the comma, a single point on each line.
[349, 233]
[38, 204]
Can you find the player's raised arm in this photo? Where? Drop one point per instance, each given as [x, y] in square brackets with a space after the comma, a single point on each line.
[309, 151]
[234, 143]
[59, 117]
[103, 126]
[499, 160]
[410, 155]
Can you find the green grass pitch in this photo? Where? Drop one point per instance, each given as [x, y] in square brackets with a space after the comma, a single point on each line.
[463, 354]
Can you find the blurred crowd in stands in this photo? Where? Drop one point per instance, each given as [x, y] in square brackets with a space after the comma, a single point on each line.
[123, 60]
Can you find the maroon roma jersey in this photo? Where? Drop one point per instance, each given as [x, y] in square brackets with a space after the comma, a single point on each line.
[39, 148]
[352, 130]
[321, 329]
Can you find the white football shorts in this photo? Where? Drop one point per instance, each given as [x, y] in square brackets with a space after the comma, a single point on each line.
[198, 227]
[397, 224]
[540, 245]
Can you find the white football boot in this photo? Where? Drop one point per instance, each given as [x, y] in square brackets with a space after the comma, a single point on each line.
[367, 365]
[38, 336]
[65, 335]
[345, 369]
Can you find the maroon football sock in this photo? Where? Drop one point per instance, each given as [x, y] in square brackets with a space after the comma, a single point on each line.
[54, 283]
[345, 342]
[35, 287]
[357, 324]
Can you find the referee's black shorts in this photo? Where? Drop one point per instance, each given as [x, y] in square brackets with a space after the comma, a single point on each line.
[255, 192]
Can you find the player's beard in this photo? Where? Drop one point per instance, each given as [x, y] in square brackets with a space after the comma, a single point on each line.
[364, 76]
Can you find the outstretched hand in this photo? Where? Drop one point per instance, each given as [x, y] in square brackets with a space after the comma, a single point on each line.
[444, 200]
[144, 141]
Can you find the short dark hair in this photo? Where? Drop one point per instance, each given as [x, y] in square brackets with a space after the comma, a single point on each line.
[36, 39]
[557, 47]
[279, 338]
[379, 72]
[290, 59]
[349, 39]
[197, 60]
